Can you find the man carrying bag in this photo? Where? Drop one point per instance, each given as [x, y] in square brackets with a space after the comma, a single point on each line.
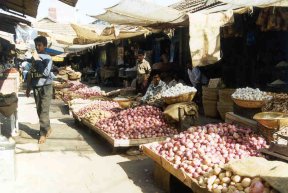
[40, 80]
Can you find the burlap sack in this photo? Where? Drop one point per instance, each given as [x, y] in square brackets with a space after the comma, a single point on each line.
[273, 172]
[7, 111]
[190, 109]
[8, 99]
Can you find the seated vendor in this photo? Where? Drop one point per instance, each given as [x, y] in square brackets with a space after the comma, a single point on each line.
[155, 89]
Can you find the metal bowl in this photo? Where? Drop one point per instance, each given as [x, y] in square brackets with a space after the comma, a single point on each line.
[272, 120]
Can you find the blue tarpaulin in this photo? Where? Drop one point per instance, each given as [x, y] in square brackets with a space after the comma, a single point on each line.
[53, 52]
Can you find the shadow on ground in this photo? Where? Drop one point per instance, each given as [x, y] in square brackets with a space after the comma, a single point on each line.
[99, 145]
[140, 171]
[30, 130]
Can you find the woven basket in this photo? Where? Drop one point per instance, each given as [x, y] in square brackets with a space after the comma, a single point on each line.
[124, 103]
[179, 99]
[272, 120]
[251, 104]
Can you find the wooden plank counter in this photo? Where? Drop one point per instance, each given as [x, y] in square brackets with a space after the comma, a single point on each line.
[187, 180]
[121, 142]
[239, 120]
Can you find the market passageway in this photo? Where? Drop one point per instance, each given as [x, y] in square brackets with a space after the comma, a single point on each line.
[73, 159]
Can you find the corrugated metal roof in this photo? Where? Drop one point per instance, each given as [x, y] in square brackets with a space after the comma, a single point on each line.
[70, 2]
[190, 6]
[25, 7]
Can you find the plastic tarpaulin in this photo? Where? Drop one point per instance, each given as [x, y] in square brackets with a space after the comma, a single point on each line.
[257, 3]
[141, 13]
[204, 31]
[79, 48]
[88, 33]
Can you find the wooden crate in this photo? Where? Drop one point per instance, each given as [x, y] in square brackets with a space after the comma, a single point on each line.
[187, 180]
[121, 142]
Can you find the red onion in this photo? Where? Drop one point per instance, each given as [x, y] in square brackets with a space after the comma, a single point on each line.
[140, 122]
[217, 146]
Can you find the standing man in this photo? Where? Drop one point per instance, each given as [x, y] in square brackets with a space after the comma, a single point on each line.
[40, 80]
[143, 72]
[197, 79]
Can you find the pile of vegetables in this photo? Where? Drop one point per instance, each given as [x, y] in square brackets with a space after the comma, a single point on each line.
[250, 94]
[76, 86]
[80, 101]
[219, 180]
[89, 92]
[97, 105]
[279, 103]
[136, 123]
[177, 90]
[96, 115]
[198, 149]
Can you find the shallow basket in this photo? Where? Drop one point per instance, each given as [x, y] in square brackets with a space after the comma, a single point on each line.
[250, 104]
[179, 99]
[272, 120]
[125, 103]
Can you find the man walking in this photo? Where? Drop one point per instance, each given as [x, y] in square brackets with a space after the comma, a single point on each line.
[40, 80]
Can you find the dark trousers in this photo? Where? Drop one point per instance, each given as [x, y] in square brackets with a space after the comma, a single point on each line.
[43, 96]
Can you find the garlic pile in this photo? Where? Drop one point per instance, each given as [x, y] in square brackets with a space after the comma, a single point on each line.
[250, 94]
[177, 90]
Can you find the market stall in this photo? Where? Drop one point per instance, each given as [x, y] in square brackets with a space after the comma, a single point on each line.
[203, 158]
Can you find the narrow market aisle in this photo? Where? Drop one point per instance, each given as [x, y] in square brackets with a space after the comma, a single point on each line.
[73, 160]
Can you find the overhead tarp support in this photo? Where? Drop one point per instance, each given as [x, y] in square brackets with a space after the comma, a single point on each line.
[257, 3]
[141, 13]
[80, 48]
[204, 31]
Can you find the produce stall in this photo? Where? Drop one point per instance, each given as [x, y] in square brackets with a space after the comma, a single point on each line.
[119, 126]
[202, 157]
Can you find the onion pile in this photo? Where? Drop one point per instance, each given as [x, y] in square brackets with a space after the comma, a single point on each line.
[140, 122]
[219, 180]
[198, 149]
[89, 92]
[97, 105]
[250, 94]
[76, 86]
[177, 90]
